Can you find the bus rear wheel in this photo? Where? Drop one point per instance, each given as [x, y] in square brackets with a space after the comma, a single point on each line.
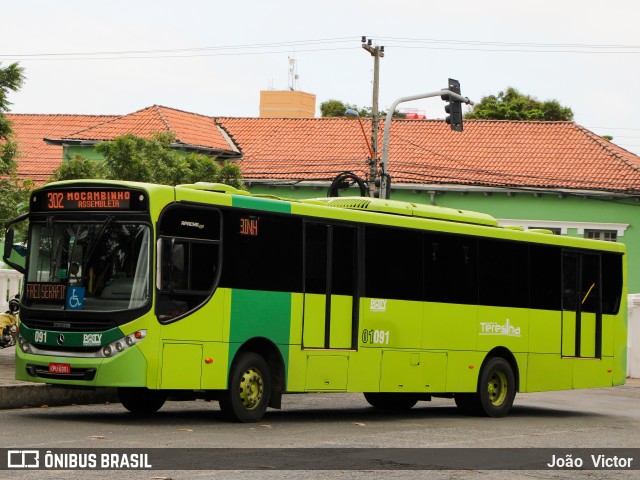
[247, 398]
[141, 401]
[397, 402]
[496, 391]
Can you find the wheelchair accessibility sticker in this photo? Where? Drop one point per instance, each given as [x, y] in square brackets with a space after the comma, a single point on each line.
[75, 298]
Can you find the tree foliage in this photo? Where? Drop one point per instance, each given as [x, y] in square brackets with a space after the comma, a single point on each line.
[15, 192]
[511, 104]
[11, 80]
[336, 108]
[149, 160]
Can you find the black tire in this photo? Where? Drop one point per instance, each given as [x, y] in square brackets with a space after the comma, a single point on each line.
[247, 398]
[141, 401]
[395, 402]
[496, 391]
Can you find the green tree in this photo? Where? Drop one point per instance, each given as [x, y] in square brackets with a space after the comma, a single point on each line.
[79, 167]
[149, 160]
[336, 108]
[15, 192]
[510, 104]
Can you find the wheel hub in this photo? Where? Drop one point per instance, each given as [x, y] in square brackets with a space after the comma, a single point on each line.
[251, 388]
[497, 388]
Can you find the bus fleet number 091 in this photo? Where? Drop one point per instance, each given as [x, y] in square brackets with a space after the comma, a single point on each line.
[380, 337]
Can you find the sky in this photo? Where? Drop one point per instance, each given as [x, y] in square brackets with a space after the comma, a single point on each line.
[214, 58]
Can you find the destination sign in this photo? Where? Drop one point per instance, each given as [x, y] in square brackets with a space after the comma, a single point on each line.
[91, 198]
[45, 291]
[249, 226]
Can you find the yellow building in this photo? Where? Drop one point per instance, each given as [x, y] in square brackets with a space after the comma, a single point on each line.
[287, 104]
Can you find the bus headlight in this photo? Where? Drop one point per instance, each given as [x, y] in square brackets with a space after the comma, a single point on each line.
[122, 344]
[24, 345]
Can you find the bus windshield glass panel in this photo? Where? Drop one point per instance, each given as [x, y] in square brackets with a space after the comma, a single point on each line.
[100, 266]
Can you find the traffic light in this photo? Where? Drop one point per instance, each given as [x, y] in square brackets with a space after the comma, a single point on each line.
[377, 183]
[454, 107]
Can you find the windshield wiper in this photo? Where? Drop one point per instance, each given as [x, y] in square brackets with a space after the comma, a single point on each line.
[53, 260]
[96, 240]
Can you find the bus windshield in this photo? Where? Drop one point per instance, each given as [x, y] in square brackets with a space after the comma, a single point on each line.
[97, 266]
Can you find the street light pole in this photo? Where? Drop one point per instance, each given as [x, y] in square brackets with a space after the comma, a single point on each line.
[387, 127]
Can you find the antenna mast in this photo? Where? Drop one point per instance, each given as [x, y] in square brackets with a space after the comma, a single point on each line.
[293, 74]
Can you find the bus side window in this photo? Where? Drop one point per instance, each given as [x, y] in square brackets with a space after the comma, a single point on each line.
[612, 283]
[450, 268]
[178, 267]
[186, 277]
[188, 259]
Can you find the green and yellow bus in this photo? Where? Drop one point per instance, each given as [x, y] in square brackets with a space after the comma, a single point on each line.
[205, 291]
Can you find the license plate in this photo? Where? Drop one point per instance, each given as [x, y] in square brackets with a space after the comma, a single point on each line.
[60, 368]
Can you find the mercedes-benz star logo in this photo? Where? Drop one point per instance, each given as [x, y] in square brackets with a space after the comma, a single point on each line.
[60, 339]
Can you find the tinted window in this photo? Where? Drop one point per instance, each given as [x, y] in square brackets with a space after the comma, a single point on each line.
[262, 251]
[190, 221]
[393, 263]
[188, 258]
[343, 260]
[504, 273]
[187, 274]
[545, 275]
[591, 284]
[612, 283]
[451, 268]
[316, 261]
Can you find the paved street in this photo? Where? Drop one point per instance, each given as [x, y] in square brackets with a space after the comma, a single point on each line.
[595, 418]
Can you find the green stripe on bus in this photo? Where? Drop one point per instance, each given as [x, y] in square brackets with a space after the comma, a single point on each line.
[261, 204]
[260, 314]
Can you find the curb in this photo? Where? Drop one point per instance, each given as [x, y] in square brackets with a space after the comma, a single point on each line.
[24, 396]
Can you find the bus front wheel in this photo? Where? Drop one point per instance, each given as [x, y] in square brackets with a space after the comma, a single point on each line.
[496, 391]
[141, 401]
[247, 398]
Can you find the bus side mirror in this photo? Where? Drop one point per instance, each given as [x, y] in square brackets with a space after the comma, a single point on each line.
[8, 242]
[14, 255]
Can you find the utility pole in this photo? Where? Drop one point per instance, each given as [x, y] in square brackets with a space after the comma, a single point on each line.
[377, 53]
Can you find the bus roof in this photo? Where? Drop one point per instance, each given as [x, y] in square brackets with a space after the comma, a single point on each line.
[371, 205]
[393, 208]
[407, 208]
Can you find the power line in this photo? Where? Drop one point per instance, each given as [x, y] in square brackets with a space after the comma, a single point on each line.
[496, 176]
[510, 44]
[323, 45]
[142, 57]
[516, 50]
[191, 49]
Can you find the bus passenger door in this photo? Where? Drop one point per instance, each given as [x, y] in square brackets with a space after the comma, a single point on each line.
[581, 305]
[331, 294]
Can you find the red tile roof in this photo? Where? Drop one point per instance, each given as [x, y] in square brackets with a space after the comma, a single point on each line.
[37, 158]
[558, 155]
[189, 128]
[487, 153]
